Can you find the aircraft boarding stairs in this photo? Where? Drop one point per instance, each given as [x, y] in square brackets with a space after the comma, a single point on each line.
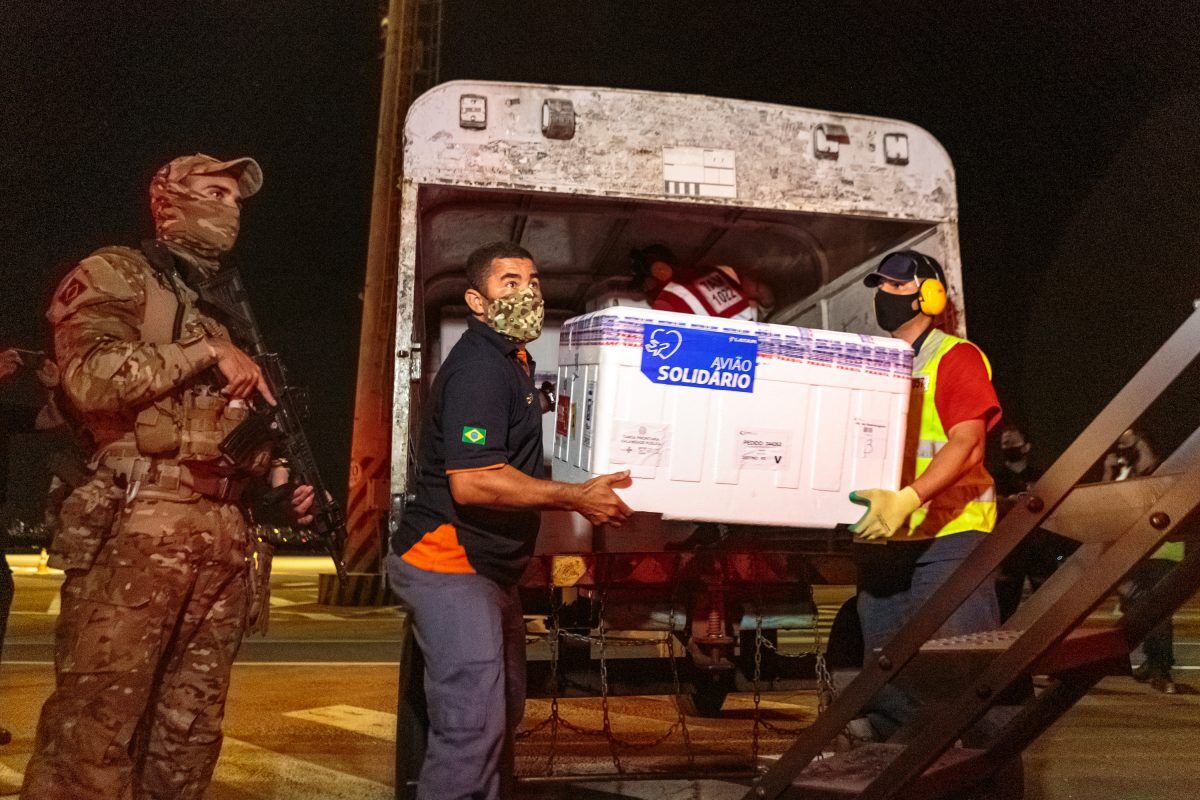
[968, 740]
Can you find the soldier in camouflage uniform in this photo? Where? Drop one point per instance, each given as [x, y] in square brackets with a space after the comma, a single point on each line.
[156, 545]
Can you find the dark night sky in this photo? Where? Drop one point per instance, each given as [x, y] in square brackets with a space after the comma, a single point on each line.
[1072, 126]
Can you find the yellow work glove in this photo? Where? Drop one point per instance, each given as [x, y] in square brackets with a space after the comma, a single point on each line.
[887, 511]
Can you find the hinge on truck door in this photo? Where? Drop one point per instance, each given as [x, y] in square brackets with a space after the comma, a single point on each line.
[414, 362]
[413, 354]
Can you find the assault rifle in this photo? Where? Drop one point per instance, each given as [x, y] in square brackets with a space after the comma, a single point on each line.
[224, 296]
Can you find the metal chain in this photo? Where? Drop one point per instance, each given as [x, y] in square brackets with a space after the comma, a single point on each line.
[826, 691]
[554, 646]
[757, 676]
[605, 721]
[604, 641]
[780, 654]
[680, 717]
[824, 682]
[758, 643]
[681, 721]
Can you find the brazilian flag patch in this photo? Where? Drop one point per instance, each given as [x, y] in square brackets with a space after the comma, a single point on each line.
[474, 435]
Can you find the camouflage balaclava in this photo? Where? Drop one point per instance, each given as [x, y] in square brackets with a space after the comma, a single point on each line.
[518, 315]
[201, 225]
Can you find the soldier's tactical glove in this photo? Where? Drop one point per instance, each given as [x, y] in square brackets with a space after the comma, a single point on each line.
[887, 511]
[274, 506]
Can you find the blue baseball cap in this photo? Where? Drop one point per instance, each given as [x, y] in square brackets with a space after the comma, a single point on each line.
[902, 266]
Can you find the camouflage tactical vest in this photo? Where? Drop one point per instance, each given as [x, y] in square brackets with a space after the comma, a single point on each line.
[188, 423]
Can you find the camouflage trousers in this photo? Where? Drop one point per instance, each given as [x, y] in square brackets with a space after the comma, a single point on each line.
[144, 646]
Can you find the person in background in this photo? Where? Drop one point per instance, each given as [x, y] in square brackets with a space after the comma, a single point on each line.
[1016, 472]
[13, 419]
[1133, 457]
[715, 291]
[1037, 557]
[60, 457]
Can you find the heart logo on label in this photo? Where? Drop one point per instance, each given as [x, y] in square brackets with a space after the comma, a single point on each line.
[664, 344]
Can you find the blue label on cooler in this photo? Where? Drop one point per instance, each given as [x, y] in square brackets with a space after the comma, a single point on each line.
[703, 359]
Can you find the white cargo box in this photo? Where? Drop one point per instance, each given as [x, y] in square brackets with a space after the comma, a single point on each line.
[731, 421]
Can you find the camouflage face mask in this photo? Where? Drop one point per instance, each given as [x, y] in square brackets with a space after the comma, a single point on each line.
[518, 315]
[205, 226]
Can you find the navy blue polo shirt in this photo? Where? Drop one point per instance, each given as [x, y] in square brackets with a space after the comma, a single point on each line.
[482, 413]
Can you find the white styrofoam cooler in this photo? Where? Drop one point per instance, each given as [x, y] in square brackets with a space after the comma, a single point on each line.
[730, 421]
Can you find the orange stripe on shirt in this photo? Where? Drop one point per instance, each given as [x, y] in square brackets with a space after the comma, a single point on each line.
[476, 469]
[439, 551]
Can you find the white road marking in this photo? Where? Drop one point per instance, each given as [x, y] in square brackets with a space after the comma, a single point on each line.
[376, 724]
[55, 605]
[276, 600]
[265, 774]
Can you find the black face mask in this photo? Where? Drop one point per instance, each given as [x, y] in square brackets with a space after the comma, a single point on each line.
[1013, 454]
[893, 310]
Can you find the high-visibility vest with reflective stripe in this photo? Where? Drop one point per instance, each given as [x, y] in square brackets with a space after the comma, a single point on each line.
[1171, 551]
[969, 504]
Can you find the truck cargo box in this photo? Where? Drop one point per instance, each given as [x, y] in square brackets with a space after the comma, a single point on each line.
[730, 421]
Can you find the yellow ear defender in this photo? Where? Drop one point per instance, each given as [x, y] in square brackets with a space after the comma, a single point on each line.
[931, 291]
[931, 297]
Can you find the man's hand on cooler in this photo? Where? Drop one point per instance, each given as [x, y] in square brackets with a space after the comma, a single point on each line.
[546, 396]
[242, 375]
[887, 511]
[597, 501]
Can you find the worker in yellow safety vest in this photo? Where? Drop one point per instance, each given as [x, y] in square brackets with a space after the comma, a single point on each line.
[910, 541]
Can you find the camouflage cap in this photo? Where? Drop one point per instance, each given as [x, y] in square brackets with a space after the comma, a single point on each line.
[246, 170]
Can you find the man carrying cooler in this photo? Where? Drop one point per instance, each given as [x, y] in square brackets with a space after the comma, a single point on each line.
[467, 536]
[949, 501]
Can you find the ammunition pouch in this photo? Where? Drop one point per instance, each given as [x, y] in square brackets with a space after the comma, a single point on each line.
[157, 429]
[207, 420]
[191, 427]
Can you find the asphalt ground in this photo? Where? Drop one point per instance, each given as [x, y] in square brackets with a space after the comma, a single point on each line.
[312, 715]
